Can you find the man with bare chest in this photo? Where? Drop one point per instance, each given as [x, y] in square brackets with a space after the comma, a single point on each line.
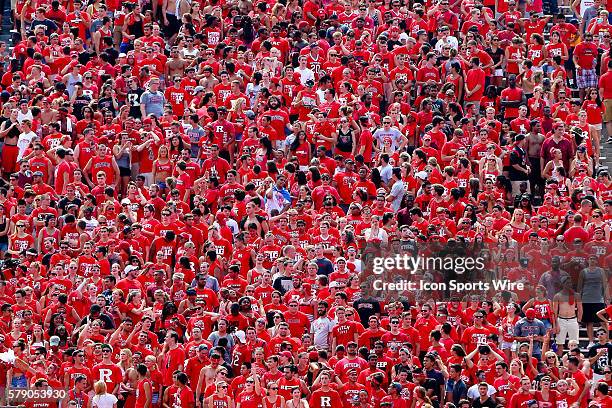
[209, 373]
[208, 81]
[47, 113]
[534, 144]
[176, 65]
[567, 306]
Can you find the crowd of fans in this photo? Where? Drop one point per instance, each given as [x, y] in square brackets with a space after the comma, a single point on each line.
[188, 189]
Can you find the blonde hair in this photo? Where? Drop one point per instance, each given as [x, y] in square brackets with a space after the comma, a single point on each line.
[129, 361]
[552, 354]
[236, 103]
[100, 388]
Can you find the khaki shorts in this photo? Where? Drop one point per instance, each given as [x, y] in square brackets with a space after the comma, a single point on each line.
[607, 116]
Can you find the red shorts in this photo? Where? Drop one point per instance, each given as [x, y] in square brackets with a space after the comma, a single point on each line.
[9, 158]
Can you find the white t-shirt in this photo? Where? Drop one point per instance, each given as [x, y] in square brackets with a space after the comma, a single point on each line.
[104, 400]
[450, 41]
[23, 142]
[305, 74]
[23, 116]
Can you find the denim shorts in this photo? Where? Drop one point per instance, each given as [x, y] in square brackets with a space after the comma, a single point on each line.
[19, 382]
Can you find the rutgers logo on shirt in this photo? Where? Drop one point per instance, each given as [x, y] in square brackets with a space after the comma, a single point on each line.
[105, 375]
[325, 401]
[542, 310]
[179, 295]
[213, 37]
[53, 143]
[349, 181]
[224, 94]
[22, 245]
[479, 339]
[271, 255]
[177, 97]
[308, 101]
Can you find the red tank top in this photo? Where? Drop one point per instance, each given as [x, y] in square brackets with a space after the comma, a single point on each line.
[55, 236]
[220, 402]
[164, 168]
[543, 309]
[275, 404]
[141, 397]
[104, 164]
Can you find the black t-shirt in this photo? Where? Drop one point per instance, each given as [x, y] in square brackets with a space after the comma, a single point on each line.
[133, 101]
[366, 307]
[50, 25]
[106, 103]
[518, 156]
[325, 266]
[489, 403]
[113, 54]
[107, 322]
[408, 247]
[604, 360]
[283, 284]
[79, 103]
[64, 202]
[2, 120]
[496, 56]
[434, 386]
[435, 377]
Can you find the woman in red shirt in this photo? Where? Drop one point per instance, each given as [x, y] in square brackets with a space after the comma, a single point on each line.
[506, 329]
[536, 103]
[20, 240]
[545, 396]
[219, 399]
[535, 50]
[301, 149]
[518, 225]
[595, 110]
[251, 396]
[162, 167]
[556, 48]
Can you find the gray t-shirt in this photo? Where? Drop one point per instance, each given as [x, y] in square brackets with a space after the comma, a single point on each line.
[321, 328]
[525, 328]
[195, 135]
[386, 172]
[214, 338]
[589, 14]
[397, 191]
[153, 102]
[393, 135]
[592, 285]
